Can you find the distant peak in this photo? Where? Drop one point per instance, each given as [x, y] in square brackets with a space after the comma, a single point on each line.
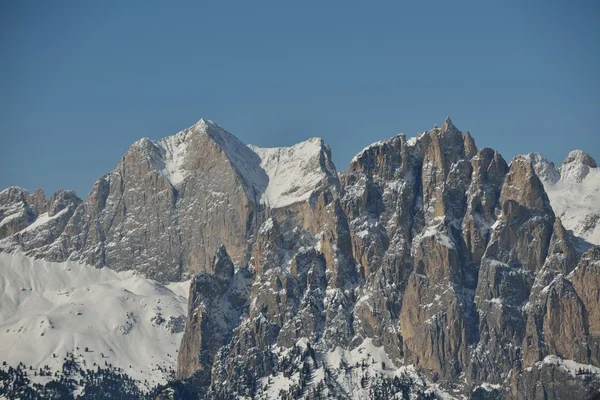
[577, 166]
[449, 126]
[202, 122]
[14, 188]
[581, 157]
[143, 142]
[544, 168]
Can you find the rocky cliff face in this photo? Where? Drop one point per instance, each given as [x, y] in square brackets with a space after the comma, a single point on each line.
[32, 222]
[439, 258]
[170, 204]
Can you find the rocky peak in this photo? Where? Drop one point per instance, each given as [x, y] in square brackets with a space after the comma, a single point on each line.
[62, 199]
[222, 266]
[561, 240]
[37, 201]
[523, 185]
[576, 166]
[381, 159]
[544, 168]
[13, 194]
[489, 167]
[448, 126]
[15, 211]
[441, 150]
[470, 147]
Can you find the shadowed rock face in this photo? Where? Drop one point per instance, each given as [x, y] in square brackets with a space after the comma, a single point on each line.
[212, 314]
[444, 255]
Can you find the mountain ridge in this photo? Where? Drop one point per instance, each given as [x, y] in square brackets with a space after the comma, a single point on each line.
[430, 252]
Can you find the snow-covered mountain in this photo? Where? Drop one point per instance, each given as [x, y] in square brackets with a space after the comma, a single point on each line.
[429, 269]
[48, 309]
[574, 192]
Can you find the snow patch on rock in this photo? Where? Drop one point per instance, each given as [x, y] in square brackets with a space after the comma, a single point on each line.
[43, 219]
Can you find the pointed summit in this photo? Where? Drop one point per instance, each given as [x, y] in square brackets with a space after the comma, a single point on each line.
[203, 122]
[449, 126]
[469, 144]
[222, 266]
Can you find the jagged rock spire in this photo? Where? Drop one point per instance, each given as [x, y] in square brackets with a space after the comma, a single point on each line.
[222, 266]
[470, 147]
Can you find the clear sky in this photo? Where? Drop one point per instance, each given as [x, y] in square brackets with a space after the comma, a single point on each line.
[82, 80]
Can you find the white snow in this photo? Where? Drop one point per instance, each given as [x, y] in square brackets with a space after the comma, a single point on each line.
[578, 205]
[576, 166]
[440, 236]
[10, 217]
[48, 308]
[174, 149]
[294, 172]
[43, 219]
[574, 193]
[571, 366]
[489, 387]
[544, 168]
[266, 226]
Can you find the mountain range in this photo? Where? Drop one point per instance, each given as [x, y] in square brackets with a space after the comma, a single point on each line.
[428, 269]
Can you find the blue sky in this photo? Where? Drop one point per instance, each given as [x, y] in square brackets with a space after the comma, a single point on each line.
[82, 80]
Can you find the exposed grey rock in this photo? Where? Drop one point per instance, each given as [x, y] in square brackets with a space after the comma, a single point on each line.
[216, 296]
[15, 211]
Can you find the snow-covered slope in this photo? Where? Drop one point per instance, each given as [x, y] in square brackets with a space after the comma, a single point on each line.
[294, 172]
[574, 192]
[578, 205]
[123, 319]
[280, 176]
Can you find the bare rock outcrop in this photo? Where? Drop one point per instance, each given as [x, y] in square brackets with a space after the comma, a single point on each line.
[213, 311]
